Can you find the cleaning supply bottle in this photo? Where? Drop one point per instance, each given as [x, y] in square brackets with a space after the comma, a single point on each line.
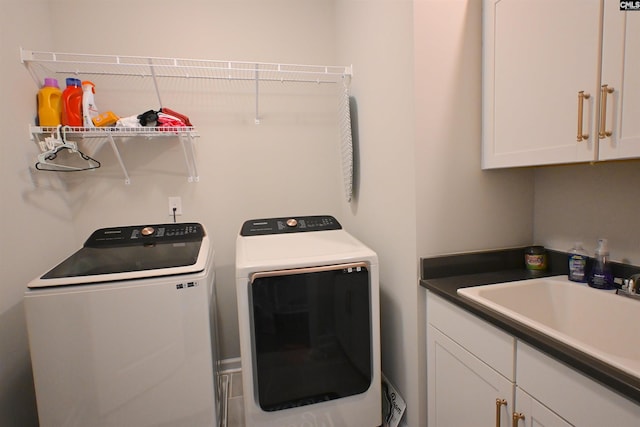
[72, 103]
[89, 109]
[601, 276]
[578, 263]
[49, 103]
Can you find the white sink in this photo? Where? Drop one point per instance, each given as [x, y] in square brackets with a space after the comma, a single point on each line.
[602, 324]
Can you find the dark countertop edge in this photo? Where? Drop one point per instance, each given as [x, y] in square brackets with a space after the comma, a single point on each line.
[502, 260]
[621, 382]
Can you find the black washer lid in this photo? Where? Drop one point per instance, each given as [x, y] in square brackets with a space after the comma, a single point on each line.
[138, 251]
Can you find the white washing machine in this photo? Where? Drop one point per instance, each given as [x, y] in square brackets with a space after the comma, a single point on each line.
[309, 322]
[122, 333]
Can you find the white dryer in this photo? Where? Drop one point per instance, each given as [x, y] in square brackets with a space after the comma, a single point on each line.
[309, 322]
[122, 332]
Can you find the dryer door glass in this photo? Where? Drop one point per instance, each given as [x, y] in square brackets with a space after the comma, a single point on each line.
[311, 331]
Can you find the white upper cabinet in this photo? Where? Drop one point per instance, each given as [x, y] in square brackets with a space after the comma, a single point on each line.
[621, 71]
[542, 84]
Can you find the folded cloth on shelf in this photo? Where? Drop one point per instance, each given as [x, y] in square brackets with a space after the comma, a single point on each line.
[153, 118]
[128, 122]
[167, 120]
[173, 113]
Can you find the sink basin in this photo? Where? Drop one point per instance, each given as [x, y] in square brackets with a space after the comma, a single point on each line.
[596, 322]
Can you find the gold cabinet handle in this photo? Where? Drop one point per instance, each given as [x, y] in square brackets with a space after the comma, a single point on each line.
[581, 97]
[603, 133]
[517, 416]
[499, 404]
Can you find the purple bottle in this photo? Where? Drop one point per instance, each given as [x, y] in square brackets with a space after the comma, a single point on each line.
[601, 276]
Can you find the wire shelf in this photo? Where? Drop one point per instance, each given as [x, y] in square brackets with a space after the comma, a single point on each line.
[43, 64]
[49, 64]
[96, 138]
[103, 132]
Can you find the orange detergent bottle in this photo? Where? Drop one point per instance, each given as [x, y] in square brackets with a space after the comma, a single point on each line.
[72, 103]
[49, 103]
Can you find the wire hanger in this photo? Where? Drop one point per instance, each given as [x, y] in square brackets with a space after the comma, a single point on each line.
[57, 142]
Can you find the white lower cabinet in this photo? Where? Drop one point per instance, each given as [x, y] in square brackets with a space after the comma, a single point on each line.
[478, 375]
[572, 396]
[531, 413]
[463, 389]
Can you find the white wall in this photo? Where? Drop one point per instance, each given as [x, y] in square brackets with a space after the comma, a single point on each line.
[417, 88]
[37, 224]
[459, 207]
[587, 202]
[377, 37]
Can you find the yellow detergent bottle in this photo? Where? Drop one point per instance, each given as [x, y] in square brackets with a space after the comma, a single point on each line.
[49, 103]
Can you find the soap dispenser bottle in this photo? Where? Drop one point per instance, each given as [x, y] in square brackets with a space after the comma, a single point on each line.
[601, 276]
[578, 263]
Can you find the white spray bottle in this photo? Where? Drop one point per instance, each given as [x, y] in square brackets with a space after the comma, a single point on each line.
[89, 109]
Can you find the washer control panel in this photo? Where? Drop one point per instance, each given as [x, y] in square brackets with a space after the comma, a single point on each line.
[298, 224]
[145, 234]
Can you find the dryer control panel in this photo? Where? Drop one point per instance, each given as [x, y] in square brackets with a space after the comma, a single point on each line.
[298, 224]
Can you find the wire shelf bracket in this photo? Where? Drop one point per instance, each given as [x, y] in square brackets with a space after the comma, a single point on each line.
[95, 138]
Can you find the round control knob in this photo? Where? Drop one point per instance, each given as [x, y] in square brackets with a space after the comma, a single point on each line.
[292, 222]
[147, 231]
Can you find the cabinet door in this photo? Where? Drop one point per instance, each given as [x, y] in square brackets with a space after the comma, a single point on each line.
[462, 389]
[577, 398]
[537, 56]
[621, 72]
[534, 414]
